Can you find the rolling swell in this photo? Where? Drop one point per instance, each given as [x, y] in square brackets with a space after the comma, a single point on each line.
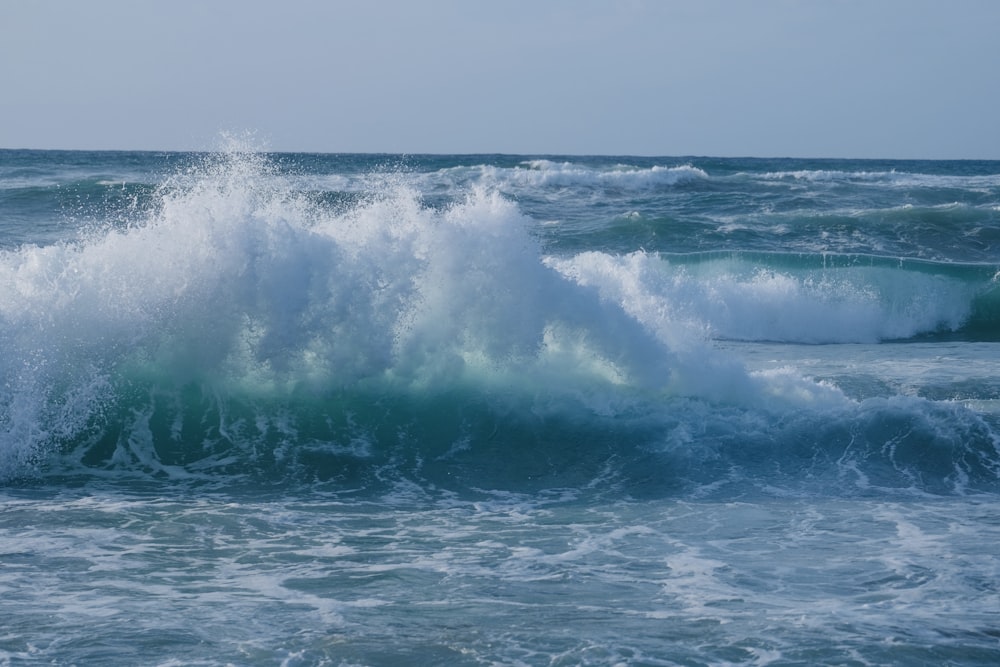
[237, 329]
[804, 298]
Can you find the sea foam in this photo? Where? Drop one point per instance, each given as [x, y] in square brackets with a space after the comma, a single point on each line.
[734, 298]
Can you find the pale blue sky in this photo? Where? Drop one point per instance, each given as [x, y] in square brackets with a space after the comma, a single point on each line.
[825, 78]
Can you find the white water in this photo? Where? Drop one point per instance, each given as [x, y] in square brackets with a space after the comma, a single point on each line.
[234, 281]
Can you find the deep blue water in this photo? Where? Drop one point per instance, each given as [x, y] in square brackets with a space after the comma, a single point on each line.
[490, 409]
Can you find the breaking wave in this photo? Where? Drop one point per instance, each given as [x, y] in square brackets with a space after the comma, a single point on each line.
[238, 328]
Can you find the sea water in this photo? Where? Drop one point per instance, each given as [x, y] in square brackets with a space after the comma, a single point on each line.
[296, 409]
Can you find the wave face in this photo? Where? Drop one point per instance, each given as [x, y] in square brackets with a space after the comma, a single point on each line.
[289, 318]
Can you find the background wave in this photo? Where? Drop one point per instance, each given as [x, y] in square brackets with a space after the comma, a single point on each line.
[797, 298]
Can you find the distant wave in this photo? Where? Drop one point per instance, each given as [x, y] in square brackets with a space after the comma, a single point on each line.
[568, 174]
[892, 177]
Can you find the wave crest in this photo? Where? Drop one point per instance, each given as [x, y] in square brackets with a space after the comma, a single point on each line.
[792, 298]
[540, 173]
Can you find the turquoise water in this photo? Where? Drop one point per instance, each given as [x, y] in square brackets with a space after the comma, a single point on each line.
[380, 410]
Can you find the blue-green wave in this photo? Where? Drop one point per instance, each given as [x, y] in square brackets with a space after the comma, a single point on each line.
[240, 322]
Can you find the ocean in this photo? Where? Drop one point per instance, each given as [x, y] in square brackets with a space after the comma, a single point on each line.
[306, 409]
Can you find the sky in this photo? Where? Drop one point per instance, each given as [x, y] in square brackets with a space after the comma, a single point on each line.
[797, 78]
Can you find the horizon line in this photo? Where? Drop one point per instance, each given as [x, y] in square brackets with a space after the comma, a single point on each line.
[703, 156]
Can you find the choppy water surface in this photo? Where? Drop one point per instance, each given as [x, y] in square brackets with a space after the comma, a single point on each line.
[366, 410]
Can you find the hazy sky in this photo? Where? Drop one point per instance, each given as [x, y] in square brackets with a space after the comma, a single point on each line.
[825, 78]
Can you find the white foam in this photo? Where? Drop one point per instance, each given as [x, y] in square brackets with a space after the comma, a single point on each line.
[546, 173]
[892, 178]
[731, 299]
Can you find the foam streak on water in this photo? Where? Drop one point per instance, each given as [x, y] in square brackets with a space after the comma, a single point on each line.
[507, 580]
